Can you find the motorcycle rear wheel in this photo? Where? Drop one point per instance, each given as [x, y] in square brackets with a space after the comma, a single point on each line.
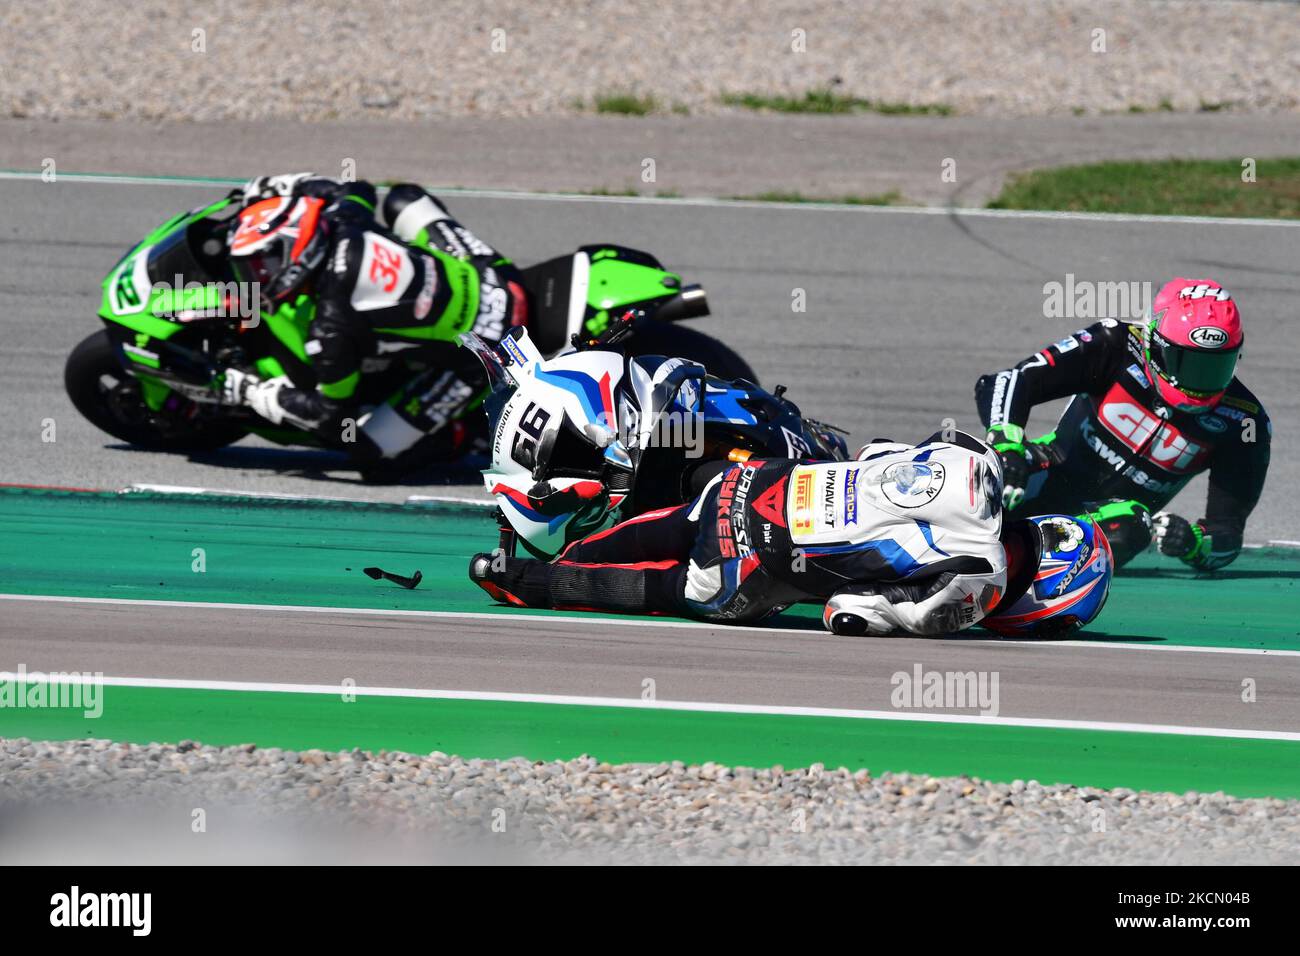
[112, 401]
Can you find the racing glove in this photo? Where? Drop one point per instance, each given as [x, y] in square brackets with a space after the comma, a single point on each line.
[233, 385]
[245, 388]
[1180, 538]
[1019, 461]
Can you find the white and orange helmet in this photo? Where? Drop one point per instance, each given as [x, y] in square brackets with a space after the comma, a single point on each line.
[277, 243]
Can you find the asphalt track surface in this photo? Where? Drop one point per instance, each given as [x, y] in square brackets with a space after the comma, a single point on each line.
[905, 310]
[1193, 688]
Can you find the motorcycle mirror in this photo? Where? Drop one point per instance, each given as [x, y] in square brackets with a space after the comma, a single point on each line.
[599, 436]
[618, 456]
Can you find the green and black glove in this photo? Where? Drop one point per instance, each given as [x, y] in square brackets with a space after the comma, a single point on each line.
[1180, 538]
[1020, 459]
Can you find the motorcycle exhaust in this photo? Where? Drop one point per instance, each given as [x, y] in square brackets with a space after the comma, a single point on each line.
[691, 303]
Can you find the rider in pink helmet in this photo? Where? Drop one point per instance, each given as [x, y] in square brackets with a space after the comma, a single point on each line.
[1192, 343]
[1154, 404]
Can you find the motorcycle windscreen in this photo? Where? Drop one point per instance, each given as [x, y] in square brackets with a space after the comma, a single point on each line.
[173, 257]
[500, 385]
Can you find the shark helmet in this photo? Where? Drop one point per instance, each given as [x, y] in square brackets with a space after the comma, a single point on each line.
[1058, 577]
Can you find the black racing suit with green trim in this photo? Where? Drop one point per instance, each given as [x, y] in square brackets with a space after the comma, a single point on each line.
[1117, 444]
[412, 287]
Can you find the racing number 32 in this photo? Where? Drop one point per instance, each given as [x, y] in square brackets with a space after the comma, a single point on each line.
[385, 267]
[531, 426]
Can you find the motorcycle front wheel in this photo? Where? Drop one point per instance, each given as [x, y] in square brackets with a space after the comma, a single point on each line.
[113, 402]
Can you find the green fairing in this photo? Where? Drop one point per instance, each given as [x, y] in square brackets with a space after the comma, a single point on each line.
[118, 282]
[269, 367]
[208, 297]
[616, 283]
[290, 323]
[153, 391]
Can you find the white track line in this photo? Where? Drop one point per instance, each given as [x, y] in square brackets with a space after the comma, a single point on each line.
[140, 486]
[1130, 646]
[450, 499]
[674, 705]
[708, 202]
[135, 487]
[596, 620]
[504, 615]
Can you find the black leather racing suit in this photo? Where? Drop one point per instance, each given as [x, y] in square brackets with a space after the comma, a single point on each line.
[412, 287]
[1117, 451]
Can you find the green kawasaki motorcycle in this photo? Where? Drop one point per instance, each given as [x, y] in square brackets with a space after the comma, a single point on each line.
[174, 317]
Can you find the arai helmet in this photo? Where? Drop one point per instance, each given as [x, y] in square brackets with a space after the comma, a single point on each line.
[1193, 339]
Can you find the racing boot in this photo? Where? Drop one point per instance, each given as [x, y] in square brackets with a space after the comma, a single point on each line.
[522, 582]
[527, 582]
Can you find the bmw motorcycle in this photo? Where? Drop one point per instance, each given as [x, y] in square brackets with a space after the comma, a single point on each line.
[172, 320]
[598, 435]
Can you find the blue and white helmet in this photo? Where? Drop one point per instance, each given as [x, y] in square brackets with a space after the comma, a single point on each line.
[1058, 577]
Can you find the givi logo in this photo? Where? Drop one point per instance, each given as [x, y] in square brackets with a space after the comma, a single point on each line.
[1141, 431]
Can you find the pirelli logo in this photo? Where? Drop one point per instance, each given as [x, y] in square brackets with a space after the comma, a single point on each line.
[801, 513]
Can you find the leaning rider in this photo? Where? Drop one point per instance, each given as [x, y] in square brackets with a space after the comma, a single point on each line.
[415, 280]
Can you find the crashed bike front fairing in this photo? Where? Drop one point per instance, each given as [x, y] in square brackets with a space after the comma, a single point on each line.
[610, 436]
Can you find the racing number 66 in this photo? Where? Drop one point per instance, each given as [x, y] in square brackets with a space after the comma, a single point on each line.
[531, 426]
